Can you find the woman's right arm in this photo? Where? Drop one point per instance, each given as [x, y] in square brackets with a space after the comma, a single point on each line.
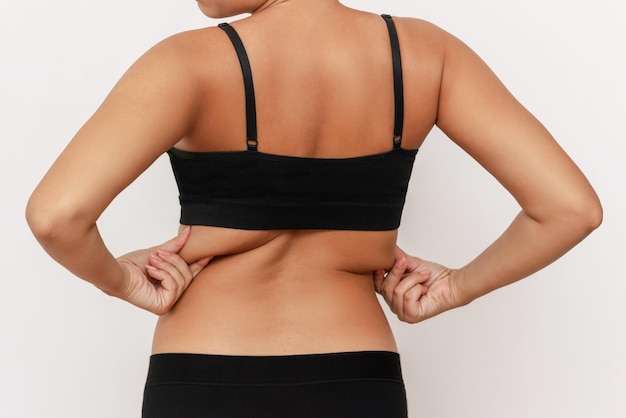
[558, 205]
[149, 110]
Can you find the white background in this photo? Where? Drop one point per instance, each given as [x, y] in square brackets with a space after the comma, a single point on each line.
[550, 346]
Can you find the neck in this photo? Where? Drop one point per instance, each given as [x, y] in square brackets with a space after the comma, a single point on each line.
[302, 3]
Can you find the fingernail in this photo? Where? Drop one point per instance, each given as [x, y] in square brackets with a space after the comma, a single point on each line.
[163, 253]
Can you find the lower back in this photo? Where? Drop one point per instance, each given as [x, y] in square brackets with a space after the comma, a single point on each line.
[280, 292]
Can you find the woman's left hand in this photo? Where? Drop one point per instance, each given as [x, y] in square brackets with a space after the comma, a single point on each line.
[416, 289]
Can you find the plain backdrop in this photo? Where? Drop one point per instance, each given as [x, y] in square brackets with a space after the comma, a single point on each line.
[550, 346]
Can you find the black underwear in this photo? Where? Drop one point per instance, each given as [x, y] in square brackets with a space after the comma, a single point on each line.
[337, 385]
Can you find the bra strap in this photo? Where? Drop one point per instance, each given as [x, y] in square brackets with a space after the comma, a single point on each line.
[248, 85]
[397, 82]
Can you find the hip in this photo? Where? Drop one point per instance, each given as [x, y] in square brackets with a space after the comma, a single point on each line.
[367, 383]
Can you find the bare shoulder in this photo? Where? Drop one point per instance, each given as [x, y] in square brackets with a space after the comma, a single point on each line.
[177, 64]
[197, 54]
[188, 46]
[425, 47]
[191, 39]
[422, 33]
[421, 37]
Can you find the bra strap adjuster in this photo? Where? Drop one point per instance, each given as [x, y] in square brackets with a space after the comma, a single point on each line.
[252, 144]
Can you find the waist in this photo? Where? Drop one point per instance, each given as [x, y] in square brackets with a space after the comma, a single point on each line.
[278, 292]
[243, 312]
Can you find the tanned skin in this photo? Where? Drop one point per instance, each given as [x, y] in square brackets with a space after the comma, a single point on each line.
[230, 291]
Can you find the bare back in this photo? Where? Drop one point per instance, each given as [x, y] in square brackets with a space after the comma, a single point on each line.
[323, 83]
[324, 89]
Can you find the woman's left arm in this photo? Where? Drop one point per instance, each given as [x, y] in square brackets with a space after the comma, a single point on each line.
[150, 109]
[558, 205]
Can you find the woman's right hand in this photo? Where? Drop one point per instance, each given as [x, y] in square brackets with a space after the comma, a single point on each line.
[416, 289]
[156, 277]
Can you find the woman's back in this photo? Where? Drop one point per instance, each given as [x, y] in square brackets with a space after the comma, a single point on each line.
[324, 91]
[323, 83]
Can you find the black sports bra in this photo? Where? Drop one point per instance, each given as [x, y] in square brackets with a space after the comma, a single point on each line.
[258, 191]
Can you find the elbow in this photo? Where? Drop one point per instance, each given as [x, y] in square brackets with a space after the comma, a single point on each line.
[593, 216]
[584, 217]
[574, 218]
[50, 222]
[596, 214]
[590, 212]
[43, 224]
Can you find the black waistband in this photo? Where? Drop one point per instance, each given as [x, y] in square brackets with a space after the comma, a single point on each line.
[291, 369]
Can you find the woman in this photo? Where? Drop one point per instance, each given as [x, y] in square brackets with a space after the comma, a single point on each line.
[292, 179]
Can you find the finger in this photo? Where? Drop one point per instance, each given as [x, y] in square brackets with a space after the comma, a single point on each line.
[186, 272]
[416, 264]
[422, 277]
[172, 272]
[182, 238]
[412, 263]
[390, 282]
[436, 272]
[379, 277]
[399, 253]
[403, 294]
[177, 243]
[179, 264]
[166, 290]
[183, 273]
[149, 272]
[412, 302]
[197, 267]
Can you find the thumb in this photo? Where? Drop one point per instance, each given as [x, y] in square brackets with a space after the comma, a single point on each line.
[177, 243]
[197, 267]
[399, 253]
[399, 266]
